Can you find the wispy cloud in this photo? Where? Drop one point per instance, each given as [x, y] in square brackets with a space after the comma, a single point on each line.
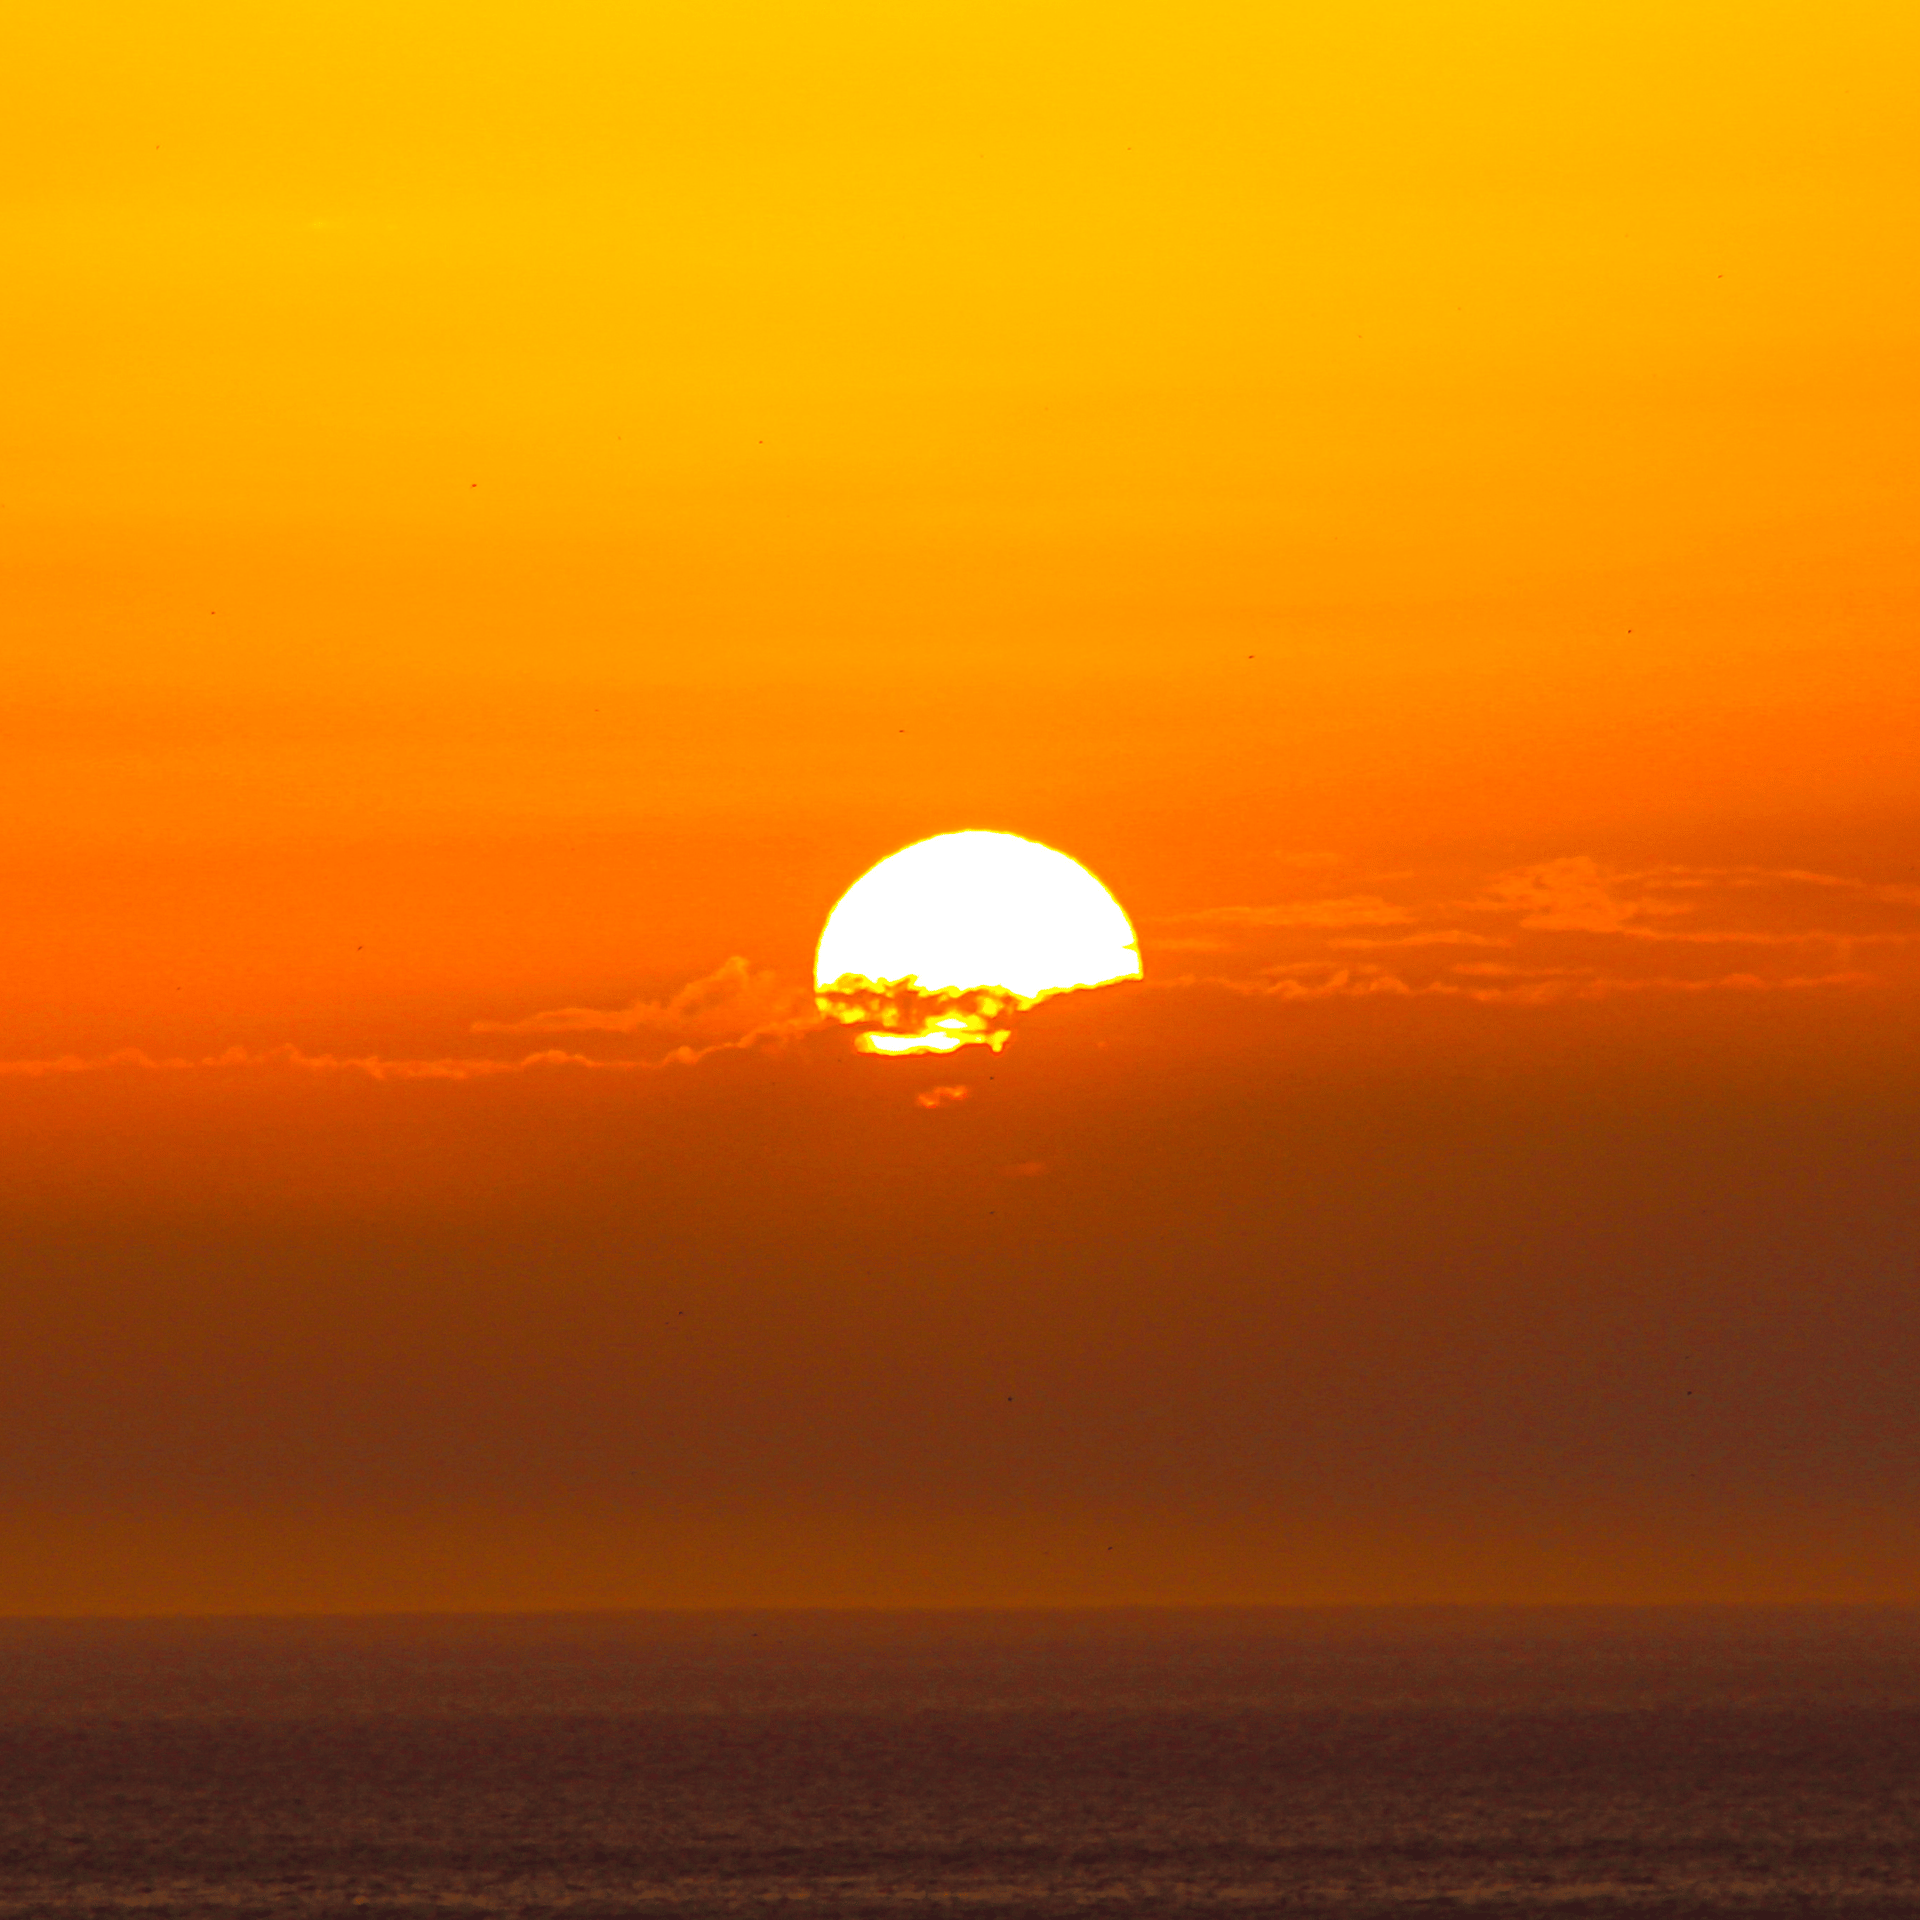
[293, 1060]
[1690, 877]
[1436, 937]
[728, 1003]
[1354, 910]
[1573, 896]
[1515, 986]
[1578, 895]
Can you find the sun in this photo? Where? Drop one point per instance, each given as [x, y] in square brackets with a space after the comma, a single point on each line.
[931, 948]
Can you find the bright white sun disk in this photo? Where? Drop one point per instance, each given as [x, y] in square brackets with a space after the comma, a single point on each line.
[972, 911]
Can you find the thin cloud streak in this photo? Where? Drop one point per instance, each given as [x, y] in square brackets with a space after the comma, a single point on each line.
[378, 1067]
[371, 1066]
[1531, 989]
[1439, 937]
[1360, 910]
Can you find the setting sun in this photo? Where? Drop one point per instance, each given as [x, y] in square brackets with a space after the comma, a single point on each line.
[940, 940]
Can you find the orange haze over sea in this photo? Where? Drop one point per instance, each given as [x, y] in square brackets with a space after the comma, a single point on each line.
[506, 513]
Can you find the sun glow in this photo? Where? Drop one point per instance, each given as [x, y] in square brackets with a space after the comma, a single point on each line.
[937, 945]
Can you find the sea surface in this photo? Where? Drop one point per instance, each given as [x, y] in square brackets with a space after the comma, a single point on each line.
[1556, 1762]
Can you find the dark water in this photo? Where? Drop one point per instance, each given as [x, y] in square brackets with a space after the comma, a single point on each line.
[1554, 1762]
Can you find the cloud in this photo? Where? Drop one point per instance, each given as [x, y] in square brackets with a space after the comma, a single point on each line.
[1762, 937]
[726, 1004]
[934, 1097]
[1571, 896]
[898, 1017]
[1491, 983]
[1607, 986]
[1343, 983]
[292, 1059]
[1496, 969]
[1356, 910]
[1578, 895]
[1682, 877]
[1438, 937]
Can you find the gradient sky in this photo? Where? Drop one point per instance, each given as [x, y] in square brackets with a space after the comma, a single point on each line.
[505, 514]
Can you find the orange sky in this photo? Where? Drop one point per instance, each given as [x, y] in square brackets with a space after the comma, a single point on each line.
[501, 512]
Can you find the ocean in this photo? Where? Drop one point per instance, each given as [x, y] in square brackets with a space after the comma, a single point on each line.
[1562, 1761]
